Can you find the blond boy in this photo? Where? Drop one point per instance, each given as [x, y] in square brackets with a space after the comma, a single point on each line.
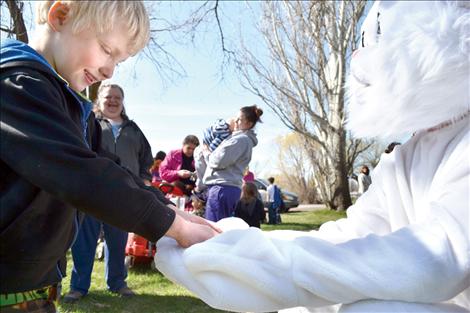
[47, 159]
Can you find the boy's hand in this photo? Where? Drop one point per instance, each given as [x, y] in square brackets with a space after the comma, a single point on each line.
[187, 233]
[196, 233]
[198, 220]
[194, 218]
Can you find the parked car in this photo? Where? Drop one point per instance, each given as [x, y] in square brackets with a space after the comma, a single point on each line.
[290, 199]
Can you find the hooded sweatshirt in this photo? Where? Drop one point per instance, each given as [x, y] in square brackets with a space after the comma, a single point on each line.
[228, 162]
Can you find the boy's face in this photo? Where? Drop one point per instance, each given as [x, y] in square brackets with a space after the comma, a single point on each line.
[84, 58]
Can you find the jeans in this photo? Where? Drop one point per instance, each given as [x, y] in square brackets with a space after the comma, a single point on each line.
[272, 213]
[83, 254]
[221, 202]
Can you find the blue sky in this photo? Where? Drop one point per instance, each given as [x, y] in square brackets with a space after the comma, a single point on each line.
[167, 112]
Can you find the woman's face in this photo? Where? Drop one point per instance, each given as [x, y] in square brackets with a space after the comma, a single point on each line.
[111, 102]
[241, 122]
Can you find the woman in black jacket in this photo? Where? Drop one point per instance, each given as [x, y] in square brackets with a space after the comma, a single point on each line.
[123, 138]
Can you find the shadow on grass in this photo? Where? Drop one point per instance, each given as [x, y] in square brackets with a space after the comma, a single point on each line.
[106, 302]
[291, 226]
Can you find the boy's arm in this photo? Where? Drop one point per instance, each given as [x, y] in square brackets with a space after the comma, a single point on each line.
[157, 192]
[42, 144]
[94, 139]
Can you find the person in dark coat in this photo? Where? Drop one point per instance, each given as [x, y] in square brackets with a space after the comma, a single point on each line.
[249, 208]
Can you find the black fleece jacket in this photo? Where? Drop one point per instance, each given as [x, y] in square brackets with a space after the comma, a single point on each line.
[48, 171]
[131, 145]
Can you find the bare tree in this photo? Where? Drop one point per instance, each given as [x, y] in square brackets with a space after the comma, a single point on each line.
[371, 156]
[363, 152]
[17, 26]
[182, 29]
[301, 78]
[164, 32]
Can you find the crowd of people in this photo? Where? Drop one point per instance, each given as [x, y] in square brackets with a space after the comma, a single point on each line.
[214, 172]
[217, 182]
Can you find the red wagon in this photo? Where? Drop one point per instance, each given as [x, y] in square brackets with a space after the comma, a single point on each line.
[138, 249]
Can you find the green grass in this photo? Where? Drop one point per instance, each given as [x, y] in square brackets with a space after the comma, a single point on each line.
[304, 220]
[155, 294]
[158, 294]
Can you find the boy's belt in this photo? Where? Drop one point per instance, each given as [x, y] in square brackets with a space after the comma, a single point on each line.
[50, 293]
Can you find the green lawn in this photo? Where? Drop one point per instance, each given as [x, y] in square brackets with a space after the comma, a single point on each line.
[155, 292]
[304, 220]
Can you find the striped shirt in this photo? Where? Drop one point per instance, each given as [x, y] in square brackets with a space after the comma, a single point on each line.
[215, 134]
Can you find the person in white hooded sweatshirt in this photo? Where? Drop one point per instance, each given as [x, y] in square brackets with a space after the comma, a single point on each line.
[404, 246]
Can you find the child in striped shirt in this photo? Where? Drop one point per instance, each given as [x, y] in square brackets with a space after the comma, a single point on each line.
[213, 137]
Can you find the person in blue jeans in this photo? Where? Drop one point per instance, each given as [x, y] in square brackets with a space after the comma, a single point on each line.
[123, 138]
[83, 254]
[275, 200]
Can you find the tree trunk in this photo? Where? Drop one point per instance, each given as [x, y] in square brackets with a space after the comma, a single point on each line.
[341, 196]
[16, 12]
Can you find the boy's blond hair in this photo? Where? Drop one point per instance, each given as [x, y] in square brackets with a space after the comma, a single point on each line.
[101, 16]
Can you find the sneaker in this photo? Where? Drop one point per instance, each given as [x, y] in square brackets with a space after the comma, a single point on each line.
[72, 297]
[125, 292]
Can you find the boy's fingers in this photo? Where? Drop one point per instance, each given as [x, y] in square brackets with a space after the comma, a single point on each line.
[217, 229]
[203, 221]
[199, 233]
